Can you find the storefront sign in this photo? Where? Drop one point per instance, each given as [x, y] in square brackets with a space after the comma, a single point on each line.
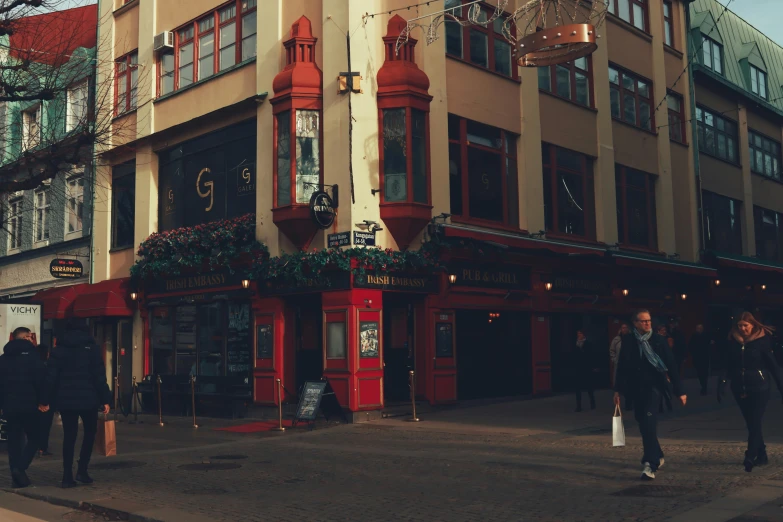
[239, 344]
[397, 281]
[194, 283]
[363, 238]
[499, 276]
[66, 268]
[339, 239]
[335, 281]
[321, 209]
[569, 285]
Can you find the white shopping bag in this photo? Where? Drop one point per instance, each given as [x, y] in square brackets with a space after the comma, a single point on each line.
[618, 431]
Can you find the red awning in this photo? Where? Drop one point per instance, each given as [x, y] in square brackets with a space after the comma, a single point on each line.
[109, 298]
[662, 263]
[748, 264]
[514, 240]
[57, 302]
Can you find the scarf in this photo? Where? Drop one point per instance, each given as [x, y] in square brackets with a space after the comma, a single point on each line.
[647, 350]
[581, 343]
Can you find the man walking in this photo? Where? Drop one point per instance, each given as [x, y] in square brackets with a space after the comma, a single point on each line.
[21, 382]
[645, 361]
[700, 348]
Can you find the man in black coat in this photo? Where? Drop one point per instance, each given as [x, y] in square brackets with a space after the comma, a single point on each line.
[76, 384]
[700, 348]
[645, 361]
[21, 382]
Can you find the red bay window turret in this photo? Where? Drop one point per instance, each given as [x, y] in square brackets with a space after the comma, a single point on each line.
[404, 139]
[297, 108]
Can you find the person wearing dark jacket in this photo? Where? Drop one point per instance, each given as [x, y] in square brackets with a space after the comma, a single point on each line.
[700, 347]
[586, 368]
[750, 365]
[77, 387]
[21, 383]
[642, 371]
[47, 417]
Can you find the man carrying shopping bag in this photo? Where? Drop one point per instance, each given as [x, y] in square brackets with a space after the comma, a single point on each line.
[645, 361]
[618, 430]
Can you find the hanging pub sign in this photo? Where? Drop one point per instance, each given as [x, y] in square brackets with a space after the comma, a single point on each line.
[66, 268]
[322, 209]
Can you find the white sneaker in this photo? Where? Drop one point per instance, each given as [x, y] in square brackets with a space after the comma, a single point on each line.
[647, 472]
[661, 464]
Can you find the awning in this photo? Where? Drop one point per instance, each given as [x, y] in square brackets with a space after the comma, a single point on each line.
[662, 263]
[747, 263]
[57, 302]
[109, 298]
[511, 240]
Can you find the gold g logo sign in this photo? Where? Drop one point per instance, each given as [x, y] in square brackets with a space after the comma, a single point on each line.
[485, 181]
[209, 185]
[171, 197]
[246, 175]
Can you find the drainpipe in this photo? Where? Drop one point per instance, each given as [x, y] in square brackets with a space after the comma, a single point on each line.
[689, 46]
[93, 95]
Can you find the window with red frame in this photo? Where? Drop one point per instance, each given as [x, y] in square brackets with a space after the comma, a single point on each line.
[668, 24]
[569, 194]
[632, 11]
[126, 83]
[676, 117]
[215, 42]
[568, 80]
[482, 45]
[636, 218]
[631, 98]
[404, 129]
[483, 172]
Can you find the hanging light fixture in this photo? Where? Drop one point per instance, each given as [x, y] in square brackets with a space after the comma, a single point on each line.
[717, 282]
[683, 296]
[763, 287]
[625, 292]
[452, 278]
[246, 283]
[134, 296]
[548, 286]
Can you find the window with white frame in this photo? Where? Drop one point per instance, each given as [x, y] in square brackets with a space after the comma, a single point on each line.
[712, 55]
[15, 221]
[41, 216]
[758, 82]
[74, 203]
[31, 132]
[77, 106]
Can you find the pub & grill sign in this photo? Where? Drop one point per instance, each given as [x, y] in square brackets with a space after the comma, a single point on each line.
[66, 268]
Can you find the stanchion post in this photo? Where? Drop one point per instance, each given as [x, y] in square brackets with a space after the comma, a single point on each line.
[412, 386]
[134, 398]
[116, 395]
[279, 407]
[193, 399]
[160, 404]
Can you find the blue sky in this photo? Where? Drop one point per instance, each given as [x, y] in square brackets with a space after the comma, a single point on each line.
[764, 15]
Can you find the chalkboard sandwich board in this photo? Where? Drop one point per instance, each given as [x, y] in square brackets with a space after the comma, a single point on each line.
[310, 402]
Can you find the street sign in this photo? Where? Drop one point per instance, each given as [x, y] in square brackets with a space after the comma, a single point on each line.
[363, 238]
[339, 239]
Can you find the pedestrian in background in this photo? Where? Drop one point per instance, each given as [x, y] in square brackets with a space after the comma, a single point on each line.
[586, 369]
[642, 374]
[76, 384]
[21, 384]
[700, 348]
[678, 343]
[750, 365]
[47, 417]
[614, 354]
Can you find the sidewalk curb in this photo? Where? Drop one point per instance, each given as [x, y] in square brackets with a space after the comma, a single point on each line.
[125, 510]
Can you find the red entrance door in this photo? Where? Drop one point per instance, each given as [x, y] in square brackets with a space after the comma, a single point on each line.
[444, 372]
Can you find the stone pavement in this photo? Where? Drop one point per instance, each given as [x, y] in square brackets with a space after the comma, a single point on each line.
[523, 460]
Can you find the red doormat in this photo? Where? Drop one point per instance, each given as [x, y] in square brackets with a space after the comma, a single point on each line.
[254, 427]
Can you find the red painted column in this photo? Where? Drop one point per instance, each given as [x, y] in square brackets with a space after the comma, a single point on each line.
[356, 376]
[269, 349]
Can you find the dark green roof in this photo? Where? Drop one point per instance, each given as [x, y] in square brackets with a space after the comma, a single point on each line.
[738, 37]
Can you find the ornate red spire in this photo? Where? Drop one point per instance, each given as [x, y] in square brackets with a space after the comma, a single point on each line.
[399, 72]
[301, 75]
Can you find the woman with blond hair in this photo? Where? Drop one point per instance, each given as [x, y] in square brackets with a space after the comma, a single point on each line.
[750, 365]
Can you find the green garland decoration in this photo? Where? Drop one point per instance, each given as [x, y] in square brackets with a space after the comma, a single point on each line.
[314, 266]
[219, 244]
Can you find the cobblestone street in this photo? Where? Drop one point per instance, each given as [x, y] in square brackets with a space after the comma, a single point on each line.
[525, 460]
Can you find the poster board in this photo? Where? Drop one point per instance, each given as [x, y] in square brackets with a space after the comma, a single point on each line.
[14, 314]
[239, 344]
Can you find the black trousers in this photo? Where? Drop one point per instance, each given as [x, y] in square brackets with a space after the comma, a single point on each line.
[646, 404]
[753, 407]
[46, 419]
[587, 386]
[703, 371]
[21, 425]
[70, 429]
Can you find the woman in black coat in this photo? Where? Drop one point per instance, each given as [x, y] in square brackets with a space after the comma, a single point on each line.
[76, 385]
[750, 365]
